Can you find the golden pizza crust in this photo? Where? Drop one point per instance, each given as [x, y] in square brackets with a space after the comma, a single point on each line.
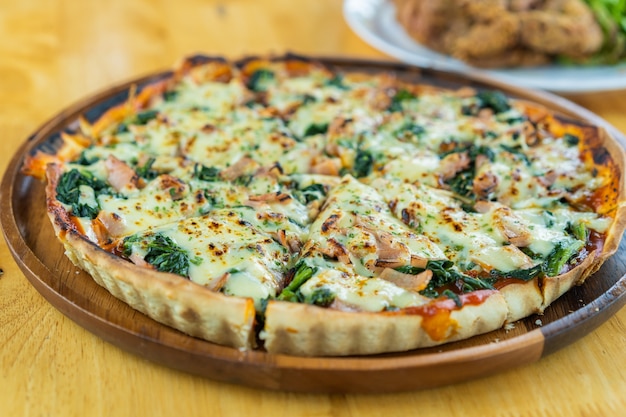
[307, 330]
[522, 299]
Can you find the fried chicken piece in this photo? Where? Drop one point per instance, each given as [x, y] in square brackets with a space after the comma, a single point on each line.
[564, 27]
[501, 33]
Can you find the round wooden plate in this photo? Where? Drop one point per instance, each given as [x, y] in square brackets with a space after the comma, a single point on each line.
[32, 242]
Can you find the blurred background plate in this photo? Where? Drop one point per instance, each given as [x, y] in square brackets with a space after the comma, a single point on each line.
[374, 21]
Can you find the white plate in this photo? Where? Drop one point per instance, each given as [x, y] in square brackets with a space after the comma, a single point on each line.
[374, 21]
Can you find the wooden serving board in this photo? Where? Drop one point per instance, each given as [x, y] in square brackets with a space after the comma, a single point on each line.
[40, 256]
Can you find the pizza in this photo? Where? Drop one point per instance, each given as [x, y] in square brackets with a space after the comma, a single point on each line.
[284, 205]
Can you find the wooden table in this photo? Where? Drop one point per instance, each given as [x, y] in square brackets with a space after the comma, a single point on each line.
[54, 52]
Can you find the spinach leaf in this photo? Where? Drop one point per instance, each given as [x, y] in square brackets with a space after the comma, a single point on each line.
[455, 297]
[517, 151]
[302, 273]
[166, 256]
[84, 160]
[260, 79]
[311, 193]
[84, 210]
[146, 171]
[559, 256]
[494, 100]
[205, 173]
[363, 163]
[522, 274]
[170, 95]
[579, 231]
[445, 275]
[408, 130]
[316, 129]
[396, 101]
[68, 191]
[139, 119]
[322, 297]
[145, 116]
[337, 82]
[571, 140]
[463, 183]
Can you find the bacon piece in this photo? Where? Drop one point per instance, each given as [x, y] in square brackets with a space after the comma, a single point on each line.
[277, 197]
[549, 178]
[390, 252]
[139, 261]
[511, 227]
[241, 167]
[290, 242]
[407, 281]
[326, 166]
[114, 225]
[483, 206]
[341, 126]
[336, 250]
[175, 186]
[484, 184]
[219, 283]
[418, 261]
[121, 176]
[274, 171]
[454, 163]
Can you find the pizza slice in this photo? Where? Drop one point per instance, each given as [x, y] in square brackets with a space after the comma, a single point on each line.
[358, 286]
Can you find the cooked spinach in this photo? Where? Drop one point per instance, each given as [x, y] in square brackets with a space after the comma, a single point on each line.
[68, 191]
[322, 297]
[571, 140]
[559, 256]
[139, 119]
[494, 100]
[579, 231]
[337, 82]
[166, 256]
[521, 274]
[444, 275]
[311, 193]
[462, 183]
[84, 210]
[260, 79]
[170, 95]
[302, 273]
[453, 296]
[84, 160]
[205, 173]
[398, 98]
[410, 129]
[517, 151]
[316, 129]
[363, 163]
[145, 116]
[146, 171]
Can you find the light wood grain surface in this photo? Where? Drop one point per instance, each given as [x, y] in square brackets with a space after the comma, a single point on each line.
[55, 52]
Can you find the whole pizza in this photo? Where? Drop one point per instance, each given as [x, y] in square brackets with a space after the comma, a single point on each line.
[284, 205]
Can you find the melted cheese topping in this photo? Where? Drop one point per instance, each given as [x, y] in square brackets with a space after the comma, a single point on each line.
[348, 174]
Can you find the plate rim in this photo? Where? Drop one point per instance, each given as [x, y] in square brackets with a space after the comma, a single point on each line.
[443, 62]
